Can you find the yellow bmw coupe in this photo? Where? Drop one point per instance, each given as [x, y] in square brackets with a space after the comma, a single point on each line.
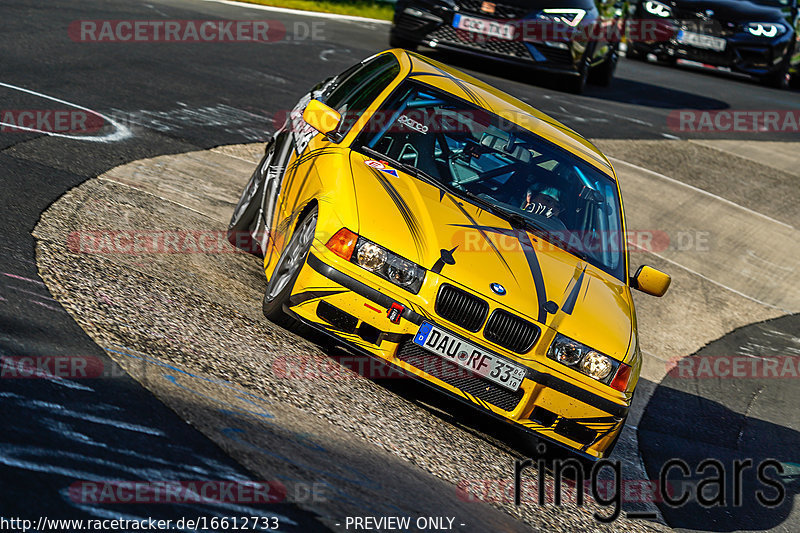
[425, 218]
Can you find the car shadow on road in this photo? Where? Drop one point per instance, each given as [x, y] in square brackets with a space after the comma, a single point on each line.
[678, 435]
[671, 429]
[720, 404]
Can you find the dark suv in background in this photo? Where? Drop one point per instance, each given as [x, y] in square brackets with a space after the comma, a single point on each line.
[754, 37]
[574, 39]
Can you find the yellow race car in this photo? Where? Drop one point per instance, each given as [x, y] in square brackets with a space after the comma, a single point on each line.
[427, 219]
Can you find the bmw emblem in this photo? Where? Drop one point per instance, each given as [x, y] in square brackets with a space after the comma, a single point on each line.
[498, 289]
[709, 13]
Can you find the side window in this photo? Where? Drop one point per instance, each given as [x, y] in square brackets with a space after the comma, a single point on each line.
[359, 90]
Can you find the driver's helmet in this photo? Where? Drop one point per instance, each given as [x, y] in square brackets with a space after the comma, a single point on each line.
[542, 207]
[552, 192]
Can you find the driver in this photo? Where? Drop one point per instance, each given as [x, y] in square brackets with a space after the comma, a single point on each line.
[546, 203]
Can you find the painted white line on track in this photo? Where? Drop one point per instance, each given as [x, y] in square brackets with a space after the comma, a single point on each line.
[334, 16]
[616, 161]
[715, 282]
[120, 131]
[615, 115]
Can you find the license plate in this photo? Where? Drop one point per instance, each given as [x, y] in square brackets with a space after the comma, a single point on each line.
[698, 40]
[453, 348]
[484, 27]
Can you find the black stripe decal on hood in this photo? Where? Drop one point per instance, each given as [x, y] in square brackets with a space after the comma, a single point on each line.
[311, 155]
[481, 230]
[291, 172]
[536, 272]
[405, 211]
[569, 303]
[530, 256]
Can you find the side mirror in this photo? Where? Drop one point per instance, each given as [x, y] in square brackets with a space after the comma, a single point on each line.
[321, 117]
[651, 281]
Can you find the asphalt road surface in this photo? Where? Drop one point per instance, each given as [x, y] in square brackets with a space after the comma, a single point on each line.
[170, 98]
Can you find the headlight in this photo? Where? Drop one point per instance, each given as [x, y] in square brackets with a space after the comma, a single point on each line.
[596, 365]
[568, 352]
[370, 256]
[571, 17]
[658, 9]
[765, 29]
[388, 265]
[590, 362]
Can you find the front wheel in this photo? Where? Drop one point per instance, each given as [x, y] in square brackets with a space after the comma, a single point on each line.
[283, 278]
[631, 52]
[604, 73]
[779, 79]
[577, 84]
[245, 225]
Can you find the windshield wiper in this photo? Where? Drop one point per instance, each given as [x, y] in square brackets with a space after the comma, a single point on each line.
[410, 169]
[489, 206]
[518, 221]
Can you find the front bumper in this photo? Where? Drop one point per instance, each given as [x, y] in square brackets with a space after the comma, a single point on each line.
[435, 29]
[343, 305]
[743, 53]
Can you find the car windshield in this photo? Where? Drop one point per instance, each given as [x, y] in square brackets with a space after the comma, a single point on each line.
[503, 167]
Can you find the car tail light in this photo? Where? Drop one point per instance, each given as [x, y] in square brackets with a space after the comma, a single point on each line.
[343, 243]
[620, 381]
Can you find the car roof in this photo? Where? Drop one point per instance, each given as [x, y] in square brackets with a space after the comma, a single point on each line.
[483, 95]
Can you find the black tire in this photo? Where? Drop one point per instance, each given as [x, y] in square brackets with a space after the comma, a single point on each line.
[779, 79]
[794, 82]
[603, 74]
[244, 217]
[634, 53]
[284, 276]
[395, 41]
[577, 84]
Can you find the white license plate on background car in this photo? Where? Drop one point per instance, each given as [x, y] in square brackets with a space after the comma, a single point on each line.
[698, 40]
[470, 356]
[485, 27]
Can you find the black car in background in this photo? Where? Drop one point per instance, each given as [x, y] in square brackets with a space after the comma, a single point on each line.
[577, 40]
[754, 37]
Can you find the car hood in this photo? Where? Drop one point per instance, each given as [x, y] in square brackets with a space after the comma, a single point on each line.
[731, 10]
[474, 248]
